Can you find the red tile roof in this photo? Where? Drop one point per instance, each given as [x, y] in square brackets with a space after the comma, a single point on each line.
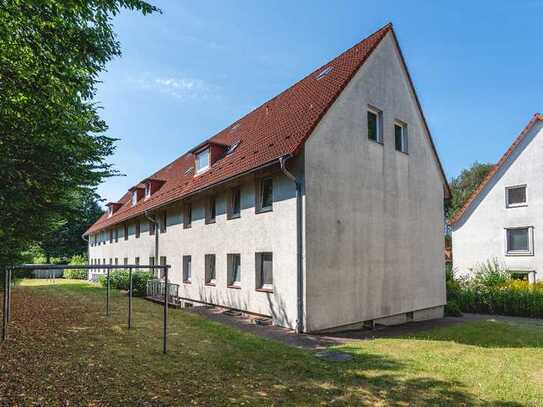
[536, 117]
[277, 128]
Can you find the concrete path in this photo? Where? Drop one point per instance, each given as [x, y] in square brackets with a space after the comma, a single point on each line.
[246, 323]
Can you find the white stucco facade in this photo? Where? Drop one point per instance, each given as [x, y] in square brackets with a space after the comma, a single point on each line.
[480, 233]
[372, 219]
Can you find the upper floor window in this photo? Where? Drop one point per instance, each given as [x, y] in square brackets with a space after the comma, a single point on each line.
[152, 226]
[515, 196]
[147, 190]
[125, 231]
[400, 136]
[211, 210]
[519, 241]
[187, 216]
[134, 197]
[164, 222]
[375, 125]
[265, 195]
[138, 229]
[202, 161]
[234, 204]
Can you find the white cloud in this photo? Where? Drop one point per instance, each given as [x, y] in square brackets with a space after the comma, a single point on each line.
[180, 87]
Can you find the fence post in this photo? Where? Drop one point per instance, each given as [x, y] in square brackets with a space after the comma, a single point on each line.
[130, 298]
[5, 309]
[9, 294]
[107, 295]
[165, 339]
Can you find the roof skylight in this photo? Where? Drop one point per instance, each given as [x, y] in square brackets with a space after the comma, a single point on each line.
[232, 147]
[189, 170]
[324, 72]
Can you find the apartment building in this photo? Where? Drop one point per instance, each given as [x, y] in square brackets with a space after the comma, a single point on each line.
[323, 208]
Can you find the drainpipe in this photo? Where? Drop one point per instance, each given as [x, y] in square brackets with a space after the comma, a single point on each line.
[157, 230]
[299, 244]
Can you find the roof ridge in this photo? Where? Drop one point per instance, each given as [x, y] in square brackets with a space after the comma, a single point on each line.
[458, 215]
[264, 138]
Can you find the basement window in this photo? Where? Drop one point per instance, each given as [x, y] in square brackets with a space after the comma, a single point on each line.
[515, 196]
[202, 161]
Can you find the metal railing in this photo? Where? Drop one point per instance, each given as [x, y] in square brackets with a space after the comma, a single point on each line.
[8, 273]
[155, 288]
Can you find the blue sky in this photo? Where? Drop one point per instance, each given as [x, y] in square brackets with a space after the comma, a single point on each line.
[196, 68]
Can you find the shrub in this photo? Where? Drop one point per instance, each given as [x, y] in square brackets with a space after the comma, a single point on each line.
[491, 274]
[491, 290]
[77, 274]
[119, 279]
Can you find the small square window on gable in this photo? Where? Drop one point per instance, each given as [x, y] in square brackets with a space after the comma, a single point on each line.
[375, 125]
[400, 136]
[515, 196]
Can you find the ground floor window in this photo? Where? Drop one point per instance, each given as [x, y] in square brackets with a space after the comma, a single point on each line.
[210, 272]
[523, 275]
[234, 269]
[264, 271]
[187, 269]
[519, 241]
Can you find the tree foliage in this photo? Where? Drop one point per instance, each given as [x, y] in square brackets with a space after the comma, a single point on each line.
[464, 185]
[52, 141]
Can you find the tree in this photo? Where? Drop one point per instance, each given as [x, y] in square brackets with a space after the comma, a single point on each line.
[63, 239]
[52, 141]
[464, 185]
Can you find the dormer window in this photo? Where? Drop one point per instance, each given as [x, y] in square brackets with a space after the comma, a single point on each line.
[202, 161]
[112, 208]
[109, 211]
[134, 197]
[147, 190]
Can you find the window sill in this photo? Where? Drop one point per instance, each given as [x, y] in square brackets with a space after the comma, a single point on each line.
[264, 290]
[264, 210]
[403, 152]
[210, 222]
[232, 217]
[211, 284]
[187, 282]
[187, 226]
[512, 206]
[380, 142]
[237, 287]
[519, 254]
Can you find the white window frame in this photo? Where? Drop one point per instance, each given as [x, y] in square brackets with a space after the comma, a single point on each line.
[147, 190]
[197, 161]
[230, 270]
[517, 205]
[260, 208]
[207, 278]
[134, 198]
[404, 137]
[379, 114]
[187, 271]
[109, 211]
[529, 252]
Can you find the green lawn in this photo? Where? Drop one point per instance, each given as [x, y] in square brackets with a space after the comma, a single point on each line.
[62, 349]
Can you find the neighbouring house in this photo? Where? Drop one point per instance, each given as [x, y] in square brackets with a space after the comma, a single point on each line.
[503, 219]
[322, 208]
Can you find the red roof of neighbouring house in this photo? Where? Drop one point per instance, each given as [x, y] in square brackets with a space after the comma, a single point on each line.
[536, 117]
[277, 128]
